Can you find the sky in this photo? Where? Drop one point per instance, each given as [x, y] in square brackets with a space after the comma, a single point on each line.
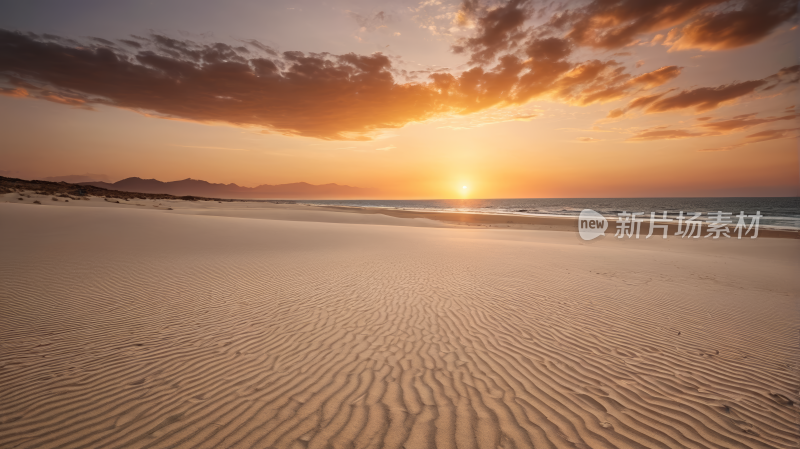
[519, 99]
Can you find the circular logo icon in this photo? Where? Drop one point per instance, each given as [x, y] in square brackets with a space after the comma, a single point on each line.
[591, 224]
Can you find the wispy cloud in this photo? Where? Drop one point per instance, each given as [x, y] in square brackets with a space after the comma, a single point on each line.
[212, 148]
[665, 134]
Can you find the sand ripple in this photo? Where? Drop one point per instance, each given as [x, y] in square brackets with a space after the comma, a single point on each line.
[204, 332]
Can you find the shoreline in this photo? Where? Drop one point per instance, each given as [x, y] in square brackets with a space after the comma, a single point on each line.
[261, 210]
[532, 222]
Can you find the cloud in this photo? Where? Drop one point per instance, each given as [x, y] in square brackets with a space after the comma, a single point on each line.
[744, 121]
[646, 81]
[340, 97]
[212, 148]
[728, 29]
[722, 127]
[386, 148]
[489, 117]
[762, 136]
[705, 98]
[786, 75]
[772, 134]
[657, 77]
[664, 134]
[726, 148]
[613, 24]
[637, 103]
[703, 24]
[467, 13]
[657, 39]
[498, 29]
[131, 43]
[316, 95]
[372, 22]
[14, 92]
[334, 97]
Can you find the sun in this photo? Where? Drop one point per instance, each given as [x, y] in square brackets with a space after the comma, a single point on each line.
[465, 187]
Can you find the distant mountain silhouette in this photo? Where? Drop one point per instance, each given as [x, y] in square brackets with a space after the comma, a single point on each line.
[196, 187]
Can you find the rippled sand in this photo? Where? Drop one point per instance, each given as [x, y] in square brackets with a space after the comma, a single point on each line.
[141, 327]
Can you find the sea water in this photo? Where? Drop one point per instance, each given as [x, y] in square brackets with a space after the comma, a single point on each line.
[777, 212]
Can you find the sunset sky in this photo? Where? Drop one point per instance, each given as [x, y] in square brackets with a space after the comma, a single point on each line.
[415, 99]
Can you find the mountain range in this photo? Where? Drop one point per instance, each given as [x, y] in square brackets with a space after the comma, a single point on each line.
[196, 187]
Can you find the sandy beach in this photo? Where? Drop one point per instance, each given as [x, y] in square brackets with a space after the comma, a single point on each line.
[165, 323]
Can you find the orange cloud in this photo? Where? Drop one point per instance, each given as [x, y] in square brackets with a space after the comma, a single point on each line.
[636, 103]
[657, 77]
[762, 136]
[665, 134]
[705, 98]
[467, 12]
[339, 97]
[349, 97]
[615, 24]
[744, 121]
[324, 96]
[499, 30]
[14, 92]
[735, 28]
[726, 148]
[720, 127]
[772, 134]
[712, 24]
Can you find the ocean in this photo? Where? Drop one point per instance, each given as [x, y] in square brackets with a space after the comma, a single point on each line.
[777, 212]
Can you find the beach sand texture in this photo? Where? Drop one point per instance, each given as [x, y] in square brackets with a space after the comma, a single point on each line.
[148, 328]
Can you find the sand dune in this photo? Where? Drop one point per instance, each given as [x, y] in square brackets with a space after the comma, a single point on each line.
[141, 327]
